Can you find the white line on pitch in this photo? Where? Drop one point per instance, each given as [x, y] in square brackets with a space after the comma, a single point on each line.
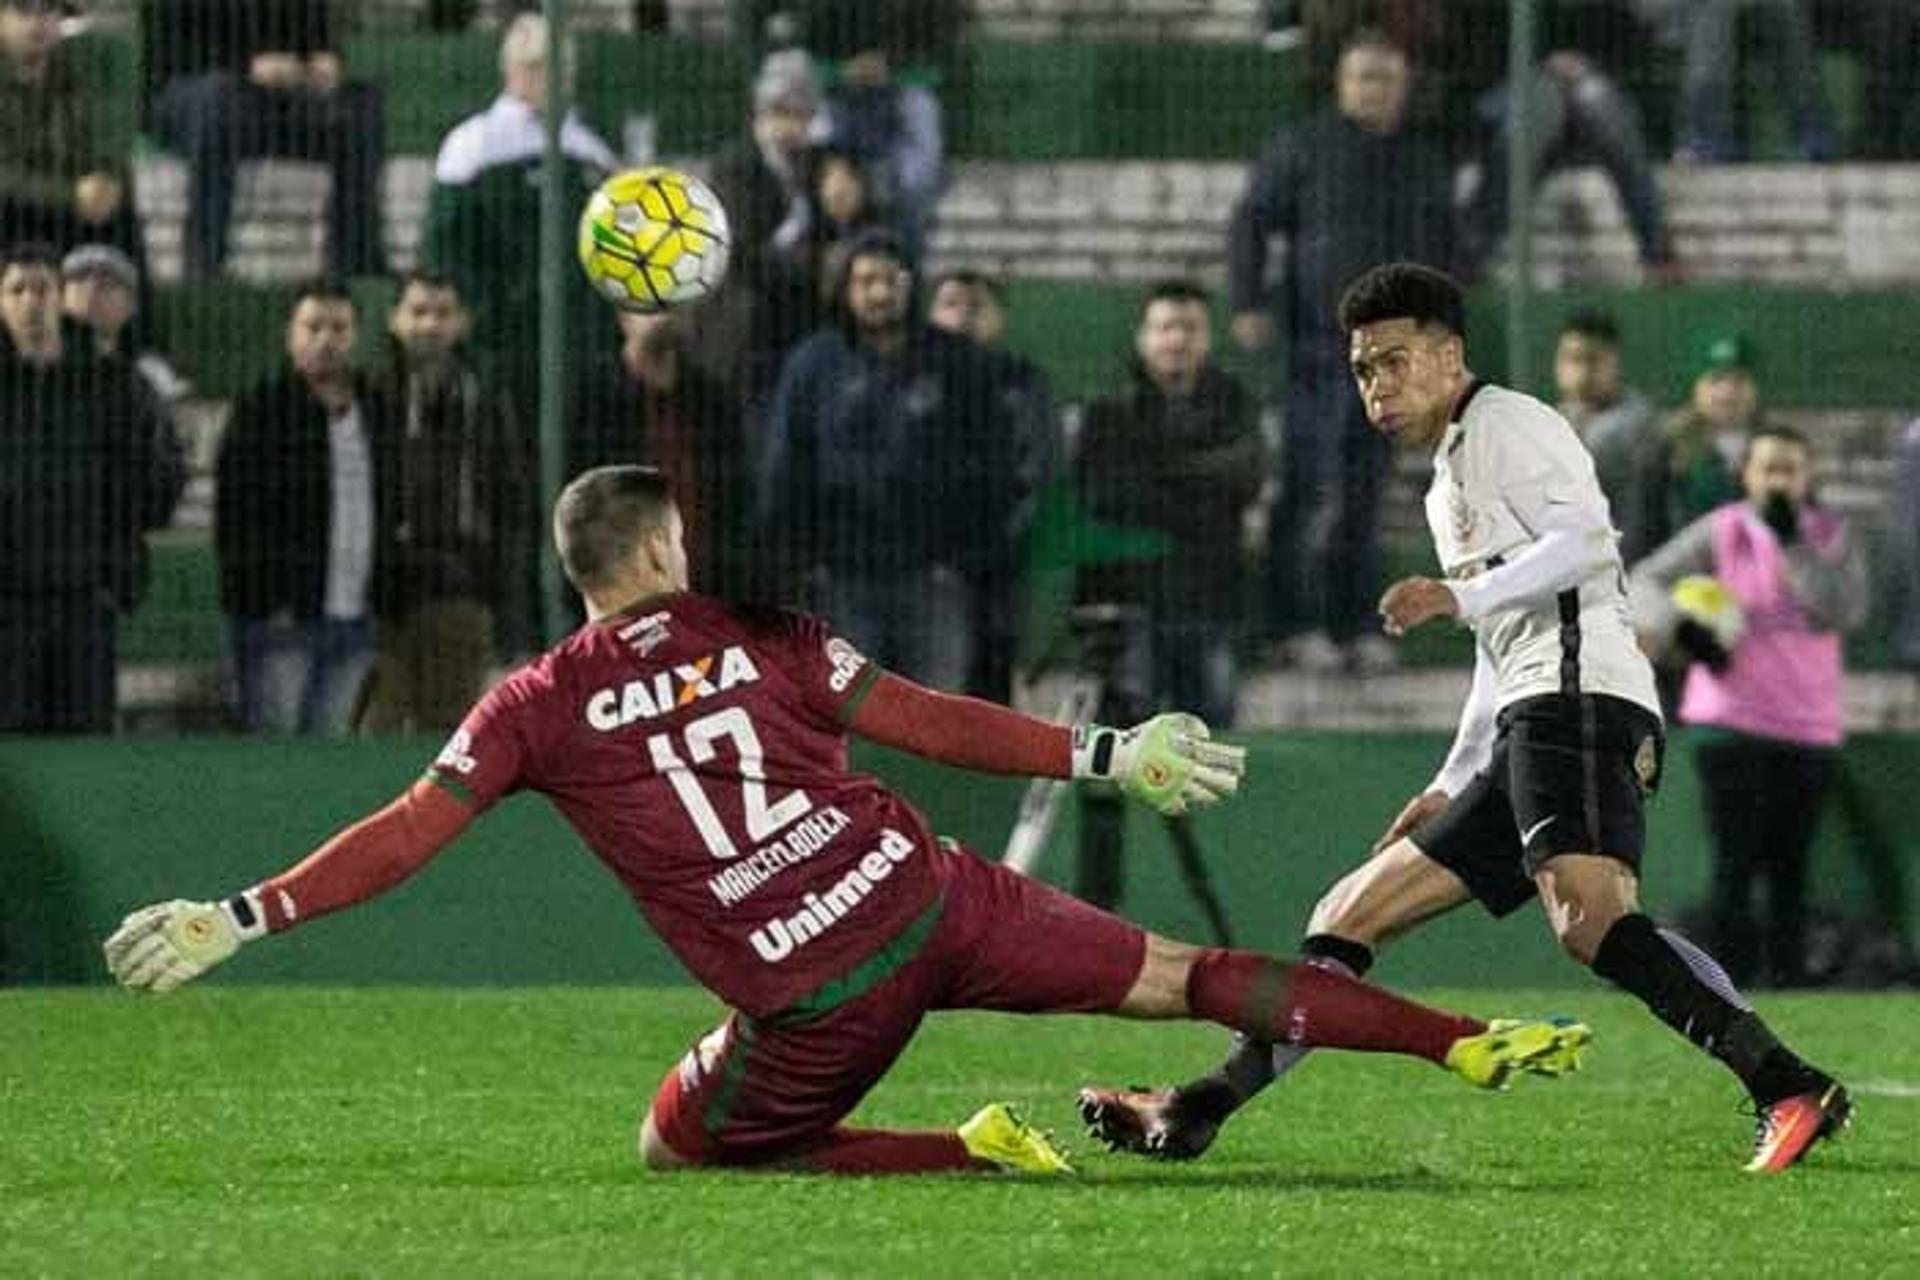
[1887, 1088]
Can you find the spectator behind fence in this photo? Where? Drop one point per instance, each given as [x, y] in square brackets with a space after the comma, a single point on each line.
[894, 129]
[650, 403]
[891, 479]
[453, 587]
[1708, 33]
[1617, 425]
[101, 289]
[1705, 440]
[1766, 694]
[295, 523]
[56, 186]
[1577, 116]
[240, 79]
[1350, 188]
[840, 205]
[86, 467]
[1884, 38]
[1178, 451]
[974, 306]
[770, 299]
[484, 208]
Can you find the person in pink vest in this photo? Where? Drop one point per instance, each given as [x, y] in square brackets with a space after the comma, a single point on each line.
[1763, 692]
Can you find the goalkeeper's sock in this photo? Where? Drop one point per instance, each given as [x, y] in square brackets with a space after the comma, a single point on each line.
[1309, 1006]
[1689, 991]
[1254, 1063]
[867, 1152]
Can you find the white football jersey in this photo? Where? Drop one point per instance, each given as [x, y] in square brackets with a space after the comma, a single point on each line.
[1497, 471]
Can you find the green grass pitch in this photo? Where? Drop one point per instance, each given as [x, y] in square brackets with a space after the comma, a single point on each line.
[482, 1133]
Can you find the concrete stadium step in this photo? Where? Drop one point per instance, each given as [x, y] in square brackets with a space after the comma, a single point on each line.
[1829, 227]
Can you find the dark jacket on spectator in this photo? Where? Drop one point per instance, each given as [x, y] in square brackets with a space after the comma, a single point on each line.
[273, 507]
[47, 138]
[457, 478]
[86, 467]
[1346, 200]
[1187, 467]
[695, 436]
[188, 37]
[771, 299]
[887, 464]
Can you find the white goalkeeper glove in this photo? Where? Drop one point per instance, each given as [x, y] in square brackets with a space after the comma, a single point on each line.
[1167, 763]
[159, 947]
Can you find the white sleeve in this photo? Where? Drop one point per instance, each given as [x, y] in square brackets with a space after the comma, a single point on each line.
[1571, 544]
[1473, 741]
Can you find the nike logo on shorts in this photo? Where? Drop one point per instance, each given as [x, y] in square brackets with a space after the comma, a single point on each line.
[1526, 837]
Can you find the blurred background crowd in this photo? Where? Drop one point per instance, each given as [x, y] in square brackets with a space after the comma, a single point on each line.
[1030, 305]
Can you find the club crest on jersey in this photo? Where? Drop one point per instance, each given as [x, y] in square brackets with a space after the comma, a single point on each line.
[669, 690]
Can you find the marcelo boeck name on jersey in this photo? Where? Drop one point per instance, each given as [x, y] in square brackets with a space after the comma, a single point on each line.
[780, 937]
[804, 839]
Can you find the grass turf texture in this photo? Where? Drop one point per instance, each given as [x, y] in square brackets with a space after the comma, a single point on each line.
[408, 1132]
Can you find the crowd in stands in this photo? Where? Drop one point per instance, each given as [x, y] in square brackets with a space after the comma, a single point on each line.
[845, 426]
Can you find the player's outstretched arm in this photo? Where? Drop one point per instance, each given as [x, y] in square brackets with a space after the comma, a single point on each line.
[158, 948]
[1169, 762]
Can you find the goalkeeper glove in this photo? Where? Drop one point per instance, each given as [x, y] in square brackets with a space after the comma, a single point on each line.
[1167, 762]
[159, 947]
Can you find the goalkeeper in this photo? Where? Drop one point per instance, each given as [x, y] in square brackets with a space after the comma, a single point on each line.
[699, 749]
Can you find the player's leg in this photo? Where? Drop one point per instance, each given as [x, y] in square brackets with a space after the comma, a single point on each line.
[1585, 862]
[1473, 854]
[1386, 896]
[758, 1096]
[1022, 946]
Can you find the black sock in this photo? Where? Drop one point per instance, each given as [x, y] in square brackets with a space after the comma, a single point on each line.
[1250, 1065]
[1688, 991]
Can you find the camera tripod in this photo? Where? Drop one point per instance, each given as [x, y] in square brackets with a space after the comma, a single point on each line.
[1102, 634]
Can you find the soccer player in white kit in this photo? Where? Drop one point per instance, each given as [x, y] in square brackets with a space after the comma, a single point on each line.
[1559, 744]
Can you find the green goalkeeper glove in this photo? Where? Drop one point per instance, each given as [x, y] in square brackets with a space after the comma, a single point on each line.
[1167, 763]
[159, 947]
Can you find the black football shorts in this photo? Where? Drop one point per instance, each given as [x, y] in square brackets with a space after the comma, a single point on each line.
[1570, 773]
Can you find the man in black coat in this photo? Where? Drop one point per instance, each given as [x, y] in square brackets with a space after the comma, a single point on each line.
[1349, 188]
[86, 467]
[297, 510]
[771, 298]
[1178, 451]
[651, 404]
[455, 565]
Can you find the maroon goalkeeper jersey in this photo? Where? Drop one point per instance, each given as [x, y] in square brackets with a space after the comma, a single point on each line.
[700, 750]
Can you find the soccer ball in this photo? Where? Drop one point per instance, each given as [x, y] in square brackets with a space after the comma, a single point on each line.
[653, 239]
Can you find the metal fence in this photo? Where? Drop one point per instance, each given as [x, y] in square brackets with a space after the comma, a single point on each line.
[327, 355]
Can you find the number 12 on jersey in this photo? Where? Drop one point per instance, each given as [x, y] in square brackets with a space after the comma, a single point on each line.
[763, 820]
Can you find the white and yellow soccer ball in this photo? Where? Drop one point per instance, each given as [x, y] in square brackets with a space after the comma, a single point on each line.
[654, 239]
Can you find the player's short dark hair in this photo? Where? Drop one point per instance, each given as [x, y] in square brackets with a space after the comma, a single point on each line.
[1591, 322]
[426, 280]
[1404, 291]
[1175, 289]
[1372, 37]
[972, 279]
[321, 289]
[601, 516]
[30, 253]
